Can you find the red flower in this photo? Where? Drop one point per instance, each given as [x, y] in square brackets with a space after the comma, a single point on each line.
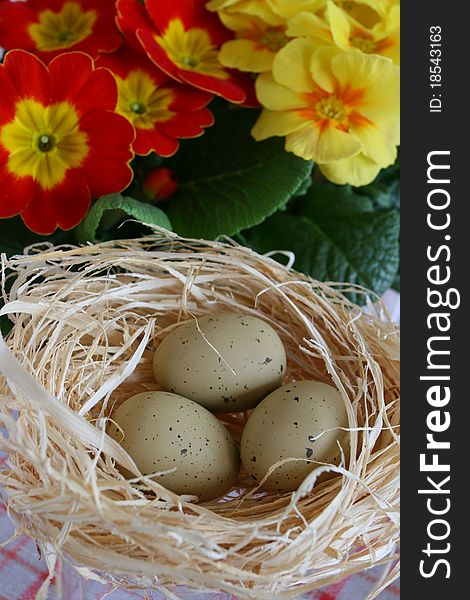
[160, 109]
[183, 39]
[160, 184]
[49, 27]
[60, 141]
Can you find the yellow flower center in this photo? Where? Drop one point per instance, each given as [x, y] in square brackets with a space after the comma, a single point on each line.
[191, 49]
[46, 141]
[142, 102]
[331, 108]
[138, 108]
[59, 30]
[363, 43]
[275, 38]
[43, 142]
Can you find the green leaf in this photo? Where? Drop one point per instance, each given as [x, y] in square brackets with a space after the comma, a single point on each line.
[306, 184]
[385, 190]
[229, 182]
[338, 200]
[143, 212]
[337, 236]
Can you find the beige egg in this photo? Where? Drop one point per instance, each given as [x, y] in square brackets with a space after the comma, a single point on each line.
[227, 362]
[298, 420]
[165, 431]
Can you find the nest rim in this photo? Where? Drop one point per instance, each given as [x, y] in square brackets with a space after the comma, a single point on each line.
[257, 545]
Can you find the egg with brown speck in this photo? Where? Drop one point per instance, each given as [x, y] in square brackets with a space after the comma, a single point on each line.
[226, 362]
[165, 431]
[306, 420]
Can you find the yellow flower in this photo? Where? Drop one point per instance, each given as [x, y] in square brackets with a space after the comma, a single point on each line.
[340, 109]
[288, 8]
[44, 141]
[215, 5]
[256, 41]
[357, 170]
[348, 34]
[264, 8]
[256, 8]
[367, 12]
[260, 30]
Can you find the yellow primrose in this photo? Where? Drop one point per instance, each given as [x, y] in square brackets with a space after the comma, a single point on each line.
[307, 24]
[357, 170]
[383, 38]
[288, 8]
[215, 5]
[339, 109]
[348, 34]
[256, 8]
[367, 12]
[264, 8]
[256, 41]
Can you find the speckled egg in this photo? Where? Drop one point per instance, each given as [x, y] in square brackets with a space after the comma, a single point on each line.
[165, 431]
[298, 420]
[227, 362]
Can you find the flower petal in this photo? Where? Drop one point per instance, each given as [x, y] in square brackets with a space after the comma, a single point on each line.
[228, 88]
[334, 144]
[312, 143]
[106, 167]
[291, 66]
[8, 97]
[274, 96]
[367, 12]
[321, 68]
[187, 99]
[75, 80]
[192, 13]
[371, 75]
[21, 16]
[94, 44]
[156, 54]
[149, 140]
[187, 125]
[163, 11]
[63, 206]
[339, 24]
[16, 192]
[307, 24]
[246, 55]
[28, 75]
[375, 144]
[288, 8]
[126, 60]
[272, 123]
[133, 16]
[357, 171]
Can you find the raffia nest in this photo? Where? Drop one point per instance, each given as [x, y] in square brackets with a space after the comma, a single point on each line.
[86, 323]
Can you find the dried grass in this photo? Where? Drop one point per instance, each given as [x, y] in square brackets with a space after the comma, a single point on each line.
[86, 322]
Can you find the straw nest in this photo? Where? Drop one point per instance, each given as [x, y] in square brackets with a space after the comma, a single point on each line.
[86, 323]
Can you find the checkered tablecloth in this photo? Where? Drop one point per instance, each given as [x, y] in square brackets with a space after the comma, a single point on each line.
[23, 572]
